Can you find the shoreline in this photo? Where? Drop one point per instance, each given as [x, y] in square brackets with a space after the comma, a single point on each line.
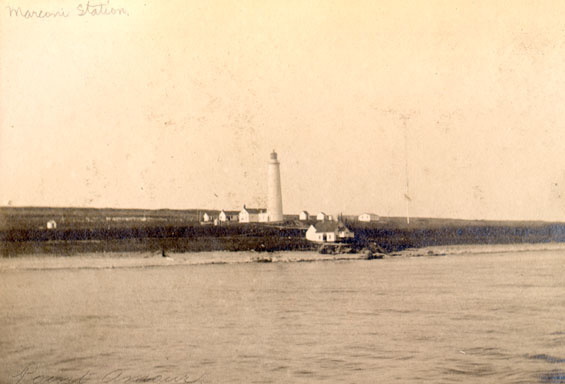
[149, 260]
[259, 238]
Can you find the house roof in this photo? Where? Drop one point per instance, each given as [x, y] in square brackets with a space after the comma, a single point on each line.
[230, 212]
[370, 214]
[322, 213]
[330, 226]
[254, 210]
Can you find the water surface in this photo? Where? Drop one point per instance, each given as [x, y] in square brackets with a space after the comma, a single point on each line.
[495, 317]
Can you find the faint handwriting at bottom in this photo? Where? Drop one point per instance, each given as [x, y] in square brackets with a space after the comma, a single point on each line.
[30, 375]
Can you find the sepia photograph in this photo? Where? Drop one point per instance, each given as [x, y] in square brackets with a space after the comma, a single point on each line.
[268, 191]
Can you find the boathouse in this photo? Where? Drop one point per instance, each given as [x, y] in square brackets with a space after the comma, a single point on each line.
[329, 232]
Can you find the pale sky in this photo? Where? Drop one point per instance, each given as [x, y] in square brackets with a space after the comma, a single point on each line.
[178, 104]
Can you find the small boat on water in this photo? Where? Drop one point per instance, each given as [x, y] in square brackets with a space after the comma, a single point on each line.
[263, 259]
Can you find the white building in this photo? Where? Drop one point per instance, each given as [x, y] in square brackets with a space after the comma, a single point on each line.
[253, 215]
[329, 232]
[304, 215]
[225, 216]
[367, 217]
[51, 224]
[274, 194]
[264, 217]
[206, 217]
[321, 216]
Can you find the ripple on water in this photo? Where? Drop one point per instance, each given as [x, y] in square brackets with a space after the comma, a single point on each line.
[327, 322]
[553, 377]
[548, 358]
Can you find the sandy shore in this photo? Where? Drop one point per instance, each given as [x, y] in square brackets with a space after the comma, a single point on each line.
[154, 260]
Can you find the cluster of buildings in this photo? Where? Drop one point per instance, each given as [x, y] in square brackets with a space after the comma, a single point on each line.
[322, 216]
[326, 229]
[261, 215]
[274, 211]
[246, 215]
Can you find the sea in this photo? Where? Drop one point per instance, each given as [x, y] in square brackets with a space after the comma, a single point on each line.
[461, 314]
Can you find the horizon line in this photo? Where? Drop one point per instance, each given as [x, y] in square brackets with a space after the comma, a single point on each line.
[215, 209]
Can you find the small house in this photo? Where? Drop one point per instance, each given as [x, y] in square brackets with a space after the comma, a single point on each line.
[226, 216]
[329, 232]
[368, 217]
[304, 215]
[321, 216]
[51, 224]
[251, 215]
[206, 217]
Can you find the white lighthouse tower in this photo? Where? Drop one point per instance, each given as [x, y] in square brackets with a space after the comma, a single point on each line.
[274, 195]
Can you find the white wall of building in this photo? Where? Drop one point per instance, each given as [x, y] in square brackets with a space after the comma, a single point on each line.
[367, 217]
[320, 237]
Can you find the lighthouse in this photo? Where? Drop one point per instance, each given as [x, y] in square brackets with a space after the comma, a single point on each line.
[274, 195]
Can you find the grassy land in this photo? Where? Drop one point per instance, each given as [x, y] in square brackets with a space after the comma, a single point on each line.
[177, 238]
[393, 237]
[22, 231]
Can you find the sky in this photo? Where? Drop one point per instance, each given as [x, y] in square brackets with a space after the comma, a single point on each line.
[421, 108]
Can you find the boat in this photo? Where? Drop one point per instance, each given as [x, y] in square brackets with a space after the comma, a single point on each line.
[263, 259]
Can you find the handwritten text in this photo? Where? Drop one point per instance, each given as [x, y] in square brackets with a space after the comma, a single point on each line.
[90, 8]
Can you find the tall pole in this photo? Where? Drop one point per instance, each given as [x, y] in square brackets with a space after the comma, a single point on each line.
[407, 198]
[404, 117]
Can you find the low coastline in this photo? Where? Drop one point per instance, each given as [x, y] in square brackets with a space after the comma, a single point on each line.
[259, 238]
[147, 260]
[83, 231]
